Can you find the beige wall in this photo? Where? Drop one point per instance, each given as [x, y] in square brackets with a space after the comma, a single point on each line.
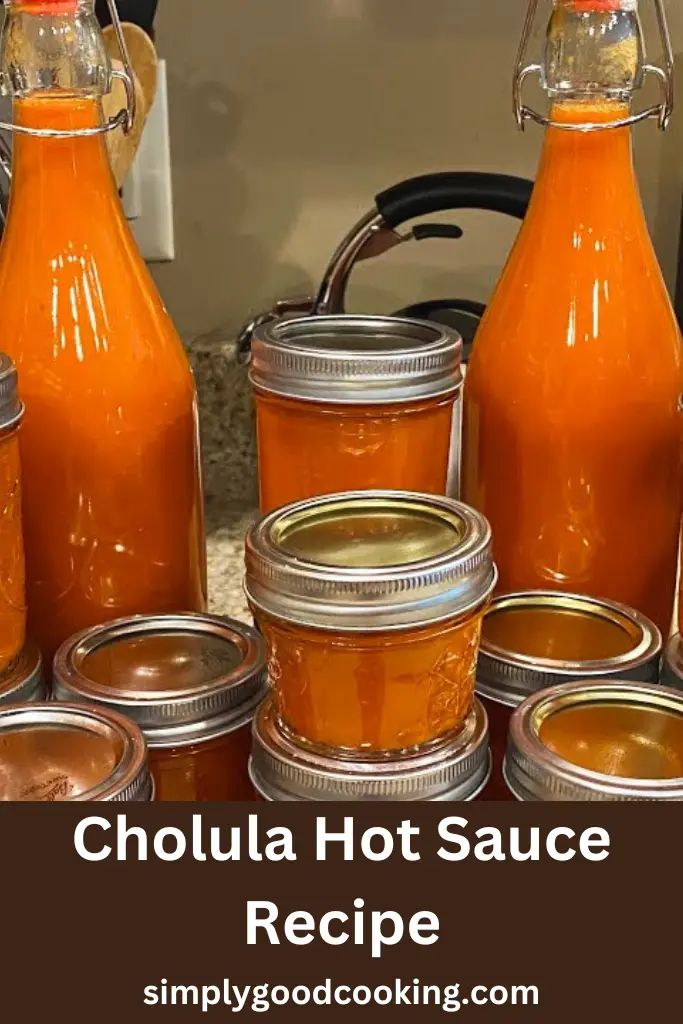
[289, 115]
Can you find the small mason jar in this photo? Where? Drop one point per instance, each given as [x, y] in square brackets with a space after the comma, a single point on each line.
[610, 740]
[371, 606]
[536, 639]
[353, 402]
[24, 682]
[283, 769]
[12, 568]
[54, 752]
[191, 683]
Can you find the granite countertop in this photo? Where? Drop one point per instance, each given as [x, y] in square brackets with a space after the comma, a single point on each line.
[225, 549]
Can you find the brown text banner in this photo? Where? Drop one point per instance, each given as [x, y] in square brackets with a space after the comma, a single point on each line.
[494, 912]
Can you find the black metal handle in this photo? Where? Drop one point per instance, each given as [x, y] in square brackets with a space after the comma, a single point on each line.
[454, 190]
[422, 231]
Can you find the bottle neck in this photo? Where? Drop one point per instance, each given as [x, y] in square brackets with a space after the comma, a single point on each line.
[60, 161]
[586, 175]
[56, 69]
[594, 51]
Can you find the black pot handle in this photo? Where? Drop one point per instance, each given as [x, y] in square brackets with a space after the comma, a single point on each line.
[454, 190]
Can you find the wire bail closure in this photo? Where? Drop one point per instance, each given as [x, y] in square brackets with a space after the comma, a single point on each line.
[125, 118]
[665, 76]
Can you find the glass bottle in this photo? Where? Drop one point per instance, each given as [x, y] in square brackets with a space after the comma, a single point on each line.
[112, 493]
[572, 420]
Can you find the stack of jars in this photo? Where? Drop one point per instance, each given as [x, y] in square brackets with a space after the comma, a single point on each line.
[368, 586]
[371, 603]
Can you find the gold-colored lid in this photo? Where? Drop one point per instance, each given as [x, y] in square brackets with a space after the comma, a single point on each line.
[54, 752]
[608, 740]
[370, 560]
[535, 639]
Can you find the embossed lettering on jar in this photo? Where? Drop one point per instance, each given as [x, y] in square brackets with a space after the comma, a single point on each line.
[371, 606]
[192, 684]
[350, 402]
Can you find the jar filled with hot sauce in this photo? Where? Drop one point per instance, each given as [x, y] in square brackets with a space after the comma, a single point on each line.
[371, 604]
[454, 769]
[12, 571]
[353, 402]
[192, 684]
[609, 740]
[536, 639]
[24, 681]
[55, 752]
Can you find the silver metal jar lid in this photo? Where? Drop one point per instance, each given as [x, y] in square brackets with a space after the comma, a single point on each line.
[23, 681]
[634, 718]
[54, 752]
[354, 360]
[456, 768]
[183, 679]
[629, 644]
[11, 408]
[370, 561]
[672, 663]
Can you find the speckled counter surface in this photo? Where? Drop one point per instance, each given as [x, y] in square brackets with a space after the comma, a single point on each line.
[226, 565]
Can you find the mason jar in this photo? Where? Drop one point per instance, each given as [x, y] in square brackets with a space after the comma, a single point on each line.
[536, 639]
[283, 769]
[353, 402]
[608, 740]
[371, 605]
[190, 682]
[52, 752]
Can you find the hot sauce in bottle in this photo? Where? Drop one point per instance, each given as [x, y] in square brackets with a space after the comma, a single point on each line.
[572, 423]
[113, 515]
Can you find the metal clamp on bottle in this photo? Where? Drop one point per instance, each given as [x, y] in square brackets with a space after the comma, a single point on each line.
[124, 119]
[612, 27]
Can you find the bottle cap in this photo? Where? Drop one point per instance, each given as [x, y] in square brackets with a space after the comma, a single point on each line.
[50, 6]
[600, 6]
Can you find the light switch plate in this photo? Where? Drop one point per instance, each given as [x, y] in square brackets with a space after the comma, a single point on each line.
[148, 190]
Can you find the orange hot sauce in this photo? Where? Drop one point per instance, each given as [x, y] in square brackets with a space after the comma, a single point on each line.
[351, 402]
[112, 493]
[307, 449]
[572, 425]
